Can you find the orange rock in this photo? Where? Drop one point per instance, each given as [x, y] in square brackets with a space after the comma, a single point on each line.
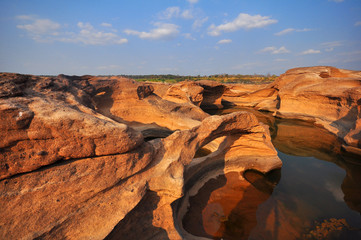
[108, 168]
[325, 95]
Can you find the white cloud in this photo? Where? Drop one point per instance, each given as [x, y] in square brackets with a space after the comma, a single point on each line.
[330, 46]
[164, 31]
[192, 1]
[274, 50]
[304, 30]
[90, 36]
[289, 30]
[39, 26]
[176, 12]
[26, 17]
[357, 23]
[187, 14]
[104, 24]
[283, 32]
[310, 51]
[45, 30]
[244, 21]
[170, 12]
[198, 23]
[224, 41]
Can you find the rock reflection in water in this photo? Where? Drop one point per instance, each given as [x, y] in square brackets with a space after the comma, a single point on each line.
[311, 191]
[226, 206]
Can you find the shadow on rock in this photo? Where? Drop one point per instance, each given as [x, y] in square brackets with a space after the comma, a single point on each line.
[138, 223]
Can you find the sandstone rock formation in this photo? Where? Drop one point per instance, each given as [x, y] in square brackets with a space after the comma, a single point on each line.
[327, 96]
[77, 159]
[72, 167]
[114, 96]
[203, 93]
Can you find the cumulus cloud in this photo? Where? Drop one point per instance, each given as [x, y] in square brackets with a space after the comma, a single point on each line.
[46, 30]
[90, 36]
[243, 21]
[192, 1]
[36, 26]
[163, 31]
[224, 41]
[310, 51]
[289, 30]
[274, 50]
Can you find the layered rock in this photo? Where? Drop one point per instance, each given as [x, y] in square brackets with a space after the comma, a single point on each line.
[134, 103]
[175, 169]
[325, 95]
[42, 127]
[204, 93]
[72, 167]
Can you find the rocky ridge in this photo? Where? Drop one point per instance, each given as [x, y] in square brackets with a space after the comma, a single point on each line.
[327, 96]
[79, 154]
[74, 160]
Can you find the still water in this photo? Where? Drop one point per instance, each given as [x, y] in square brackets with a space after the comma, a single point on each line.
[316, 194]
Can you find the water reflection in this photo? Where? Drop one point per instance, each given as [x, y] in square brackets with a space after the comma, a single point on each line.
[318, 197]
[225, 207]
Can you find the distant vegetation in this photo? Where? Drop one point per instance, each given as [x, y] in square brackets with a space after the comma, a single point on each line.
[224, 78]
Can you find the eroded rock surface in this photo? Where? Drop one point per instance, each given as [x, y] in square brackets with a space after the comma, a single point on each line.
[325, 95]
[135, 104]
[72, 167]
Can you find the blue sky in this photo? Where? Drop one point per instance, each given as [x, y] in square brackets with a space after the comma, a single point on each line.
[185, 37]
